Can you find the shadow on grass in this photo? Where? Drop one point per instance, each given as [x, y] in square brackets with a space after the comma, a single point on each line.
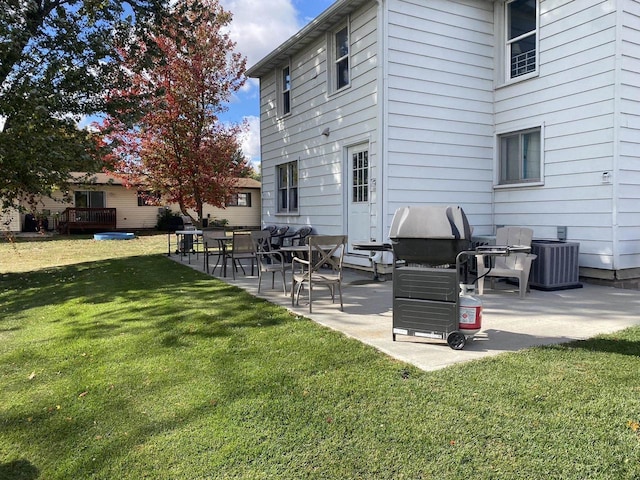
[607, 344]
[160, 308]
[18, 470]
[55, 237]
[126, 294]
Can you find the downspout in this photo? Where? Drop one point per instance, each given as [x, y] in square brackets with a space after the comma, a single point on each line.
[617, 122]
[385, 258]
[381, 187]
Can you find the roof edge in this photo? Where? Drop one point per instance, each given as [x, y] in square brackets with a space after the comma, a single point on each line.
[264, 64]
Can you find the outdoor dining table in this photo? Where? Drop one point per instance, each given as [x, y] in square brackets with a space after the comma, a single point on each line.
[187, 245]
[223, 242]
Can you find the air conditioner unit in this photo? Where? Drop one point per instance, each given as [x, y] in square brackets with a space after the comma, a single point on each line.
[556, 267]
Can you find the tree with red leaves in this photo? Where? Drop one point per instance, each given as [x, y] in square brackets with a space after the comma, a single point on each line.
[171, 141]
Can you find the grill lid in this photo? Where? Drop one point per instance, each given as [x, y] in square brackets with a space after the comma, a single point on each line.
[430, 222]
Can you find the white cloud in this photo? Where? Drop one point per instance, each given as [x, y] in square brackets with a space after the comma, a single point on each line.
[259, 26]
[250, 140]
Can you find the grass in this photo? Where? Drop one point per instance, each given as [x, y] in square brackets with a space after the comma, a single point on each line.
[116, 363]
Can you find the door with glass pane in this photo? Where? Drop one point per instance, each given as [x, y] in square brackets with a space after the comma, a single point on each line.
[358, 211]
[88, 199]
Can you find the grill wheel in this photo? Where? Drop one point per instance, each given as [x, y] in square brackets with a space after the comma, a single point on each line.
[456, 340]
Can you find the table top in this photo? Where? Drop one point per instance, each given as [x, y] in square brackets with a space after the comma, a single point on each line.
[188, 232]
[294, 248]
[303, 248]
[219, 237]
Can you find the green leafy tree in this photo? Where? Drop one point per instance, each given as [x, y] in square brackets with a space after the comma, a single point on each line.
[179, 148]
[56, 62]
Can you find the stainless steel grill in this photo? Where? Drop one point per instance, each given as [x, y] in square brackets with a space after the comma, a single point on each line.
[426, 242]
[429, 235]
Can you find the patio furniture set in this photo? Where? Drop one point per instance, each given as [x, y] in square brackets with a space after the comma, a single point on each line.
[426, 242]
[309, 260]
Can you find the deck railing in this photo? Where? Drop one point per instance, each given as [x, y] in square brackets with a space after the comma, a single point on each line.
[87, 219]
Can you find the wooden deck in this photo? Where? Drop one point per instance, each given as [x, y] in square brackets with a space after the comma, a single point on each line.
[86, 219]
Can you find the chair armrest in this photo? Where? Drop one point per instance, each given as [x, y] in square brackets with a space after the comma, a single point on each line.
[480, 263]
[273, 254]
[300, 260]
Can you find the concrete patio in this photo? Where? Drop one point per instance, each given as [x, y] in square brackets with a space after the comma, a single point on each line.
[509, 323]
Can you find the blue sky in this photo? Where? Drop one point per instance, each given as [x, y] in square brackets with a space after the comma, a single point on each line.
[258, 27]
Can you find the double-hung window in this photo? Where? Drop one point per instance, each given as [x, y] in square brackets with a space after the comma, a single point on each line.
[339, 47]
[285, 82]
[520, 157]
[342, 58]
[521, 37]
[287, 176]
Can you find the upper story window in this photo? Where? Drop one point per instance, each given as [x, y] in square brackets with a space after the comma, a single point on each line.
[520, 157]
[287, 177]
[521, 37]
[286, 90]
[342, 58]
[283, 88]
[339, 72]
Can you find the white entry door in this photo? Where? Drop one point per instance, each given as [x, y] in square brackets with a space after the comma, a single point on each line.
[358, 211]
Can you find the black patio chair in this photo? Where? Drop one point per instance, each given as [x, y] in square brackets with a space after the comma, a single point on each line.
[270, 228]
[277, 236]
[299, 237]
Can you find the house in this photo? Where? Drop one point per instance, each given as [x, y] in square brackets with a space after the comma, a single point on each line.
[113, 206]
[523, 112]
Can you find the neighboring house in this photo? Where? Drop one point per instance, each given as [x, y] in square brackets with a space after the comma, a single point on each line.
[523, 112]
[10, 221]
[131, 209]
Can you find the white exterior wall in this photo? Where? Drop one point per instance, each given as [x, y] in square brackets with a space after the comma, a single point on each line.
[627, 176]
[443, 105]
[573, 99]
[350, 115]
[440, 107]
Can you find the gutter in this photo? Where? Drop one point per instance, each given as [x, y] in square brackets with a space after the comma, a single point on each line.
[306, 35]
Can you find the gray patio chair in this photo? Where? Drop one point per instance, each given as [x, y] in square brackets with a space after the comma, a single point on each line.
[322, 266]
[269, 261]
[212, 248]
[241, 249]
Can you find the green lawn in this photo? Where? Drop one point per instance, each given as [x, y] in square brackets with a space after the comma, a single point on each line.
[117, 363]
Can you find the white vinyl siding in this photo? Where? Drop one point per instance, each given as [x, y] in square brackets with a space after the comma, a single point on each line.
[350, 115]
[440, 106]
[574, 97]
[627, 177]
[442, 94]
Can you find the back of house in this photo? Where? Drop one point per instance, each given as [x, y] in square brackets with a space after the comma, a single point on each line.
[523, 112]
